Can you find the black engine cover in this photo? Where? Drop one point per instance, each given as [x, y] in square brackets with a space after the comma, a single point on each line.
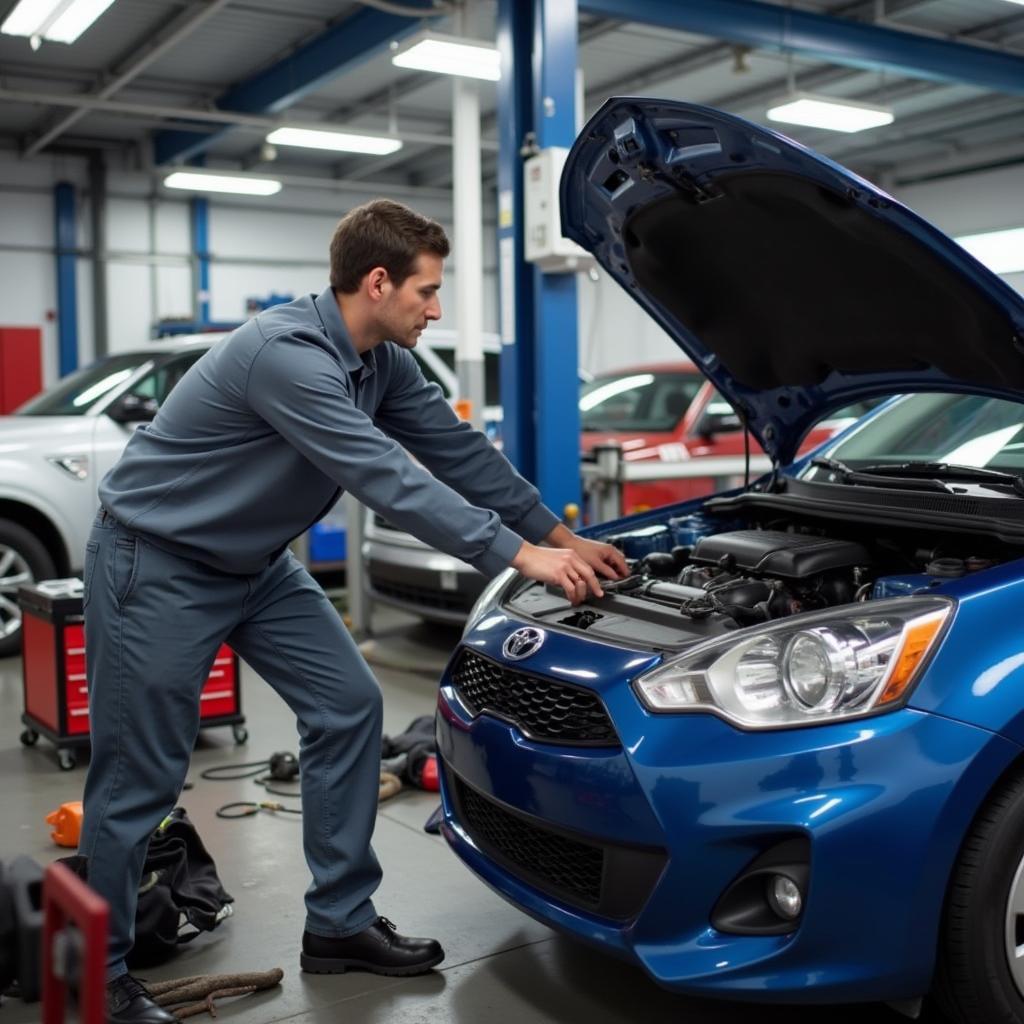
[791, 556]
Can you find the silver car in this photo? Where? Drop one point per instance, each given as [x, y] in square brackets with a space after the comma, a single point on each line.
[55, 449]
[406, 573]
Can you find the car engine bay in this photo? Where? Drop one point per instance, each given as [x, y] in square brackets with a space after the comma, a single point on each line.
[697, 576]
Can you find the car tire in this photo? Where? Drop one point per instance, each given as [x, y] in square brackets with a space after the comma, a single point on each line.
[983, 919]
[23, 559]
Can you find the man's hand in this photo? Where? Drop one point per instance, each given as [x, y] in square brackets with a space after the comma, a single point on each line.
[602, 558]
[561, 566]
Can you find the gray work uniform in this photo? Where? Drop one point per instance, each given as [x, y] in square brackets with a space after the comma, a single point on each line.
[189, 550]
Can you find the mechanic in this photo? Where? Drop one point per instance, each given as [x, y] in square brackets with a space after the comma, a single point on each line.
[190, 550]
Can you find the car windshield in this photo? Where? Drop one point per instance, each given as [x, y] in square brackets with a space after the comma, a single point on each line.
[77, 393]
[643, 401]
[961, 430]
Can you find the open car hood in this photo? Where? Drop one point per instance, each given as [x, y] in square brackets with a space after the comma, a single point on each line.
[796, 286]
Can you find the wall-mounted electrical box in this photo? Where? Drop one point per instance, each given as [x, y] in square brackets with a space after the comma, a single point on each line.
[545, 245]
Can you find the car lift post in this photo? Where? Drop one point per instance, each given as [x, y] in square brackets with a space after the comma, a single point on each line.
[355, 570]
[607, 488]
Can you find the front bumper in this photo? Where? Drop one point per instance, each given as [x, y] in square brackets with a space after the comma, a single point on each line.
[883, 801]
[420, 580]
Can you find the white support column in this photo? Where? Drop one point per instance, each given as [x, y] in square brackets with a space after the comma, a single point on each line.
[468, 249]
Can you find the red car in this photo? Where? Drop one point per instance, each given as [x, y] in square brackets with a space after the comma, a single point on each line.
[671, 412]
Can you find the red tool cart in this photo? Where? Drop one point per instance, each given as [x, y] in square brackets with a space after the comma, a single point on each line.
[54, 680]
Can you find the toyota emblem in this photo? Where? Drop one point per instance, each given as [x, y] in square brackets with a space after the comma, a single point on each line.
[522, 643]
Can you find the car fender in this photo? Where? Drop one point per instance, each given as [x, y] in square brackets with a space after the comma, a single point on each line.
[71, 537]
[977, 674]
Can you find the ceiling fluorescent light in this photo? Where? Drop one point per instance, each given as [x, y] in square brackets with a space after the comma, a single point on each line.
[195, 181]
[29, 16]
[75, 20]
[61, 21]
[309, 138]
[1001, 251]
[833, 114]
[448, 55]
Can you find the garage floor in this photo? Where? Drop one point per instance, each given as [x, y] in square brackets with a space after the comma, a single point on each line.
[501, 966]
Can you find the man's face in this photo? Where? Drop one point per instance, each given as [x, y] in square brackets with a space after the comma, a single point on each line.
[409, 307]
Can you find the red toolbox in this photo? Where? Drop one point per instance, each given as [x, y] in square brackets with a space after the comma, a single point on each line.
[54, 680]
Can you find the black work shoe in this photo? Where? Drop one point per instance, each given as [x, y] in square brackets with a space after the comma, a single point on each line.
[379, 949]
[129, 1003]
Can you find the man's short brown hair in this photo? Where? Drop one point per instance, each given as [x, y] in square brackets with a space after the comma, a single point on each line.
[381, 233]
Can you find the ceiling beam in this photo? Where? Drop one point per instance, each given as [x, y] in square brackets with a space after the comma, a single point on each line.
[216, 117]
[342, 46]
[674, 67]
[80, 78]
[180, 28]
[930, 125]
[823, 37]
[959, 160]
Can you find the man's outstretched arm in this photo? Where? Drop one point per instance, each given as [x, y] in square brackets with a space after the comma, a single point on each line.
[304, 396]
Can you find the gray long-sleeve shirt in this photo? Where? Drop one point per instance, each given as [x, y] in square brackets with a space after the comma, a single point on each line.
[259, 437]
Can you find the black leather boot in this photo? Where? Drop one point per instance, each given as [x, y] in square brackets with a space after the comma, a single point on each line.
[379, 949]
[129, 1003]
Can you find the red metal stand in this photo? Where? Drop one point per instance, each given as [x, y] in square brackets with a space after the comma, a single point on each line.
[74, 947]
[21, 366]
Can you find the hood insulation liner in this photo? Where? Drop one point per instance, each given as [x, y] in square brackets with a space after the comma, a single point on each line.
[788, 281]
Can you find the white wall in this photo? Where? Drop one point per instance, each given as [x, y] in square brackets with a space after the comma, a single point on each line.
[614, 331]
[971, 204]
[280, 245]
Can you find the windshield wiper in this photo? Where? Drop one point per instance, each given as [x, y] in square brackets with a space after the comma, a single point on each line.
[846, 475]
[950, 471]
[841, 469]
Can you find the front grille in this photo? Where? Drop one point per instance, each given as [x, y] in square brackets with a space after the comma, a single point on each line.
[555, 863]
[427, 597]
[542, 708]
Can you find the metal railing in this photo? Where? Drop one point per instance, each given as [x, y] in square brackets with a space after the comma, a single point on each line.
[604, 477]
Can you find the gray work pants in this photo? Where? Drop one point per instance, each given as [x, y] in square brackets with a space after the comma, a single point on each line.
[153, 624]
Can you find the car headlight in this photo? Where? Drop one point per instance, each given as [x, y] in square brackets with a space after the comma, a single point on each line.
[806, 669]
[489, 597]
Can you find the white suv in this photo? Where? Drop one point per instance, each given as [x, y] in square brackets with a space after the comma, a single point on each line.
[56, 448]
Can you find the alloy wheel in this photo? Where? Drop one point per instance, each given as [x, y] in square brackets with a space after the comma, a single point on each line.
[1015, 928]
[14, 572]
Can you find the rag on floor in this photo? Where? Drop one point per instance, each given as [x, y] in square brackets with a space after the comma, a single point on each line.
[406, 755]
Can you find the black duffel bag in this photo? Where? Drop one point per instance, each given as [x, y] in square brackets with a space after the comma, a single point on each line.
[180, 895]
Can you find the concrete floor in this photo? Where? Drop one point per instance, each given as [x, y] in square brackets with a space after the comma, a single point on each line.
[501, 966]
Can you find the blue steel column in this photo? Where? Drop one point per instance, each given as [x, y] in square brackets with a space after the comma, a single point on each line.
[539, 386]
[516, 287]
[67, 292]
[555, 353]
[201, 258]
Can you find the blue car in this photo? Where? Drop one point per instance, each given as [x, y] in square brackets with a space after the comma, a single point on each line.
[782, 760]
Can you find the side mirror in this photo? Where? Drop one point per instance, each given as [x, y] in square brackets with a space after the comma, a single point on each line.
[714, 422]
[131, 408]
